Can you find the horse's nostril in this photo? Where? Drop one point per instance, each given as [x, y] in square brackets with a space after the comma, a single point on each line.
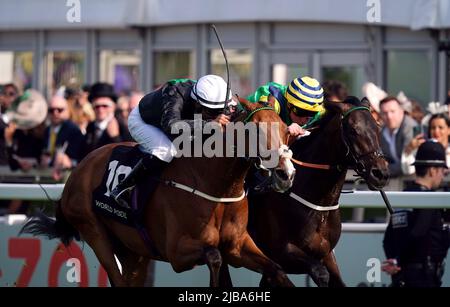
[377, 173]
[281, 174]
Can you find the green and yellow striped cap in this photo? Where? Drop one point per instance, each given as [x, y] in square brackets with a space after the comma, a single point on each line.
[305, 93]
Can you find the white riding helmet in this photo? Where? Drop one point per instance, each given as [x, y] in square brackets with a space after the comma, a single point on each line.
[209, 91]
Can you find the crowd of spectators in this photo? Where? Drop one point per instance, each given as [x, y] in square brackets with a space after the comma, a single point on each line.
[52, 136]
[58, 132]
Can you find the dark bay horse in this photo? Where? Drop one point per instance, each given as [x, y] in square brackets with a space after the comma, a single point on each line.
[300, 228]
[184, 229]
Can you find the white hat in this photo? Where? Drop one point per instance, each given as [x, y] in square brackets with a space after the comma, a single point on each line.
[374, 94]
[29, 111]
[404, 102]
[210, 91]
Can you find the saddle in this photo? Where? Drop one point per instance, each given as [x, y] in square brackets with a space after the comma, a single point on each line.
[121, 162]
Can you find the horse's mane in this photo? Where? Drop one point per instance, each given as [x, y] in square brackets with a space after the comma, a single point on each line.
[316, 129]
[240, 114]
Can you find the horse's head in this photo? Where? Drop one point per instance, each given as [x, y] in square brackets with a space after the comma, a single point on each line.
[360, 135]
[272, 138]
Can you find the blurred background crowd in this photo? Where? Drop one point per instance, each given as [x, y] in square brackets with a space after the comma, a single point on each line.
[51, 136]
[68, 87]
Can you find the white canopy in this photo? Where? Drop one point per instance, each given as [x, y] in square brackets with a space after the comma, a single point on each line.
[48, 14]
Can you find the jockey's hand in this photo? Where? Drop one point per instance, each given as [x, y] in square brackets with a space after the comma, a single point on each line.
[390, 266]
[222, 119]
[295, 130]
[113, 128]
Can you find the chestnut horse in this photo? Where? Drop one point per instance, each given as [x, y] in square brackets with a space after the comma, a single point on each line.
[299, 229]
[184, 229]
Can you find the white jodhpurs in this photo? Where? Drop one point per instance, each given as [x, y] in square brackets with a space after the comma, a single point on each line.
[151, 139]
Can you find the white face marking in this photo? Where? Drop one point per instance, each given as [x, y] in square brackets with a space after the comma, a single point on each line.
[285, 156]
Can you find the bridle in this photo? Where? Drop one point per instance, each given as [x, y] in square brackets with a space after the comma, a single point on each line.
[358, 160]
[283, 151]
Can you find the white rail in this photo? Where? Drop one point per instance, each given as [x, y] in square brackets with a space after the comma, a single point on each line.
[357, 199]
[26, 191]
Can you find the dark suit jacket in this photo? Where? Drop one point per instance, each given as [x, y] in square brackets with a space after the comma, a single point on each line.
[70, 133]
[3, 154]
[92, 142]
[403, 137]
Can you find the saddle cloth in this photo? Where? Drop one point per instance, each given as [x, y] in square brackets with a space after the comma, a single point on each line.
[120, 164]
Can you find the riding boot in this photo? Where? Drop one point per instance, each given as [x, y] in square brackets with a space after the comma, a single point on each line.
[122, 192]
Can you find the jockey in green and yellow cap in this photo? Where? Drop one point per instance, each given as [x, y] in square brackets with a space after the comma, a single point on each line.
[296, 103]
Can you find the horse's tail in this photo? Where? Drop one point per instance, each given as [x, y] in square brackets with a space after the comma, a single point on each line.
[52, 228]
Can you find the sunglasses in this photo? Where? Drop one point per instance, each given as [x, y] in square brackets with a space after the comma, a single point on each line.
[57, 110]
[299, 112]
[99, 106]
[10, 94]
[212, 112]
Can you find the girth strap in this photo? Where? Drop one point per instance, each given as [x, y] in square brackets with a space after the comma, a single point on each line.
[311, 205]
[186, 188]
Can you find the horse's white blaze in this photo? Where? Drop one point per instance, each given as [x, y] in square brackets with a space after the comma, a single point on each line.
[285, 157]
[289, 168]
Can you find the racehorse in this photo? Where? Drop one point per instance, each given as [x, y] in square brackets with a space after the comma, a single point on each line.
[300, 228]
[184, 229]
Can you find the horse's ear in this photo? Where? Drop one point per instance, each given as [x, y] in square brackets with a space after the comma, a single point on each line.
[352, 100]
[365, 102]
[247, 104]
[335, 107]
[271, 101]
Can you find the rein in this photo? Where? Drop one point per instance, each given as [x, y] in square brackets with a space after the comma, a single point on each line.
[201, 194]
[249, 116]
[327, 166]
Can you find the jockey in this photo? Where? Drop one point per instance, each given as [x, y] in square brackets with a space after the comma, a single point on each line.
[150, 123]
[297, 103]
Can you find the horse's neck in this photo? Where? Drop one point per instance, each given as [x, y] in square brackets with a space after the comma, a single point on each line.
[221, 177]
[322, 187]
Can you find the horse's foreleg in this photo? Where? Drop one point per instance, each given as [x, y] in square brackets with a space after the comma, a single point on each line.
[335, 276]
[213, 259]
[224, 276]
[134, 268]
[300, 262]
[251, 257]
[185, 253]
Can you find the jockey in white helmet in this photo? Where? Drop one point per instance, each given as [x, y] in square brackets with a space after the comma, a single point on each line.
[150, 123]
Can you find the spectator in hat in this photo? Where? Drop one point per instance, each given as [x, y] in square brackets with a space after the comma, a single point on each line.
[24, 134]
[416, 242]
[105, 129]
[374, 94]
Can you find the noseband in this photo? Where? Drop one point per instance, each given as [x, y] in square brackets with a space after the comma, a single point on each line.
[358, 160]
[283, 151]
